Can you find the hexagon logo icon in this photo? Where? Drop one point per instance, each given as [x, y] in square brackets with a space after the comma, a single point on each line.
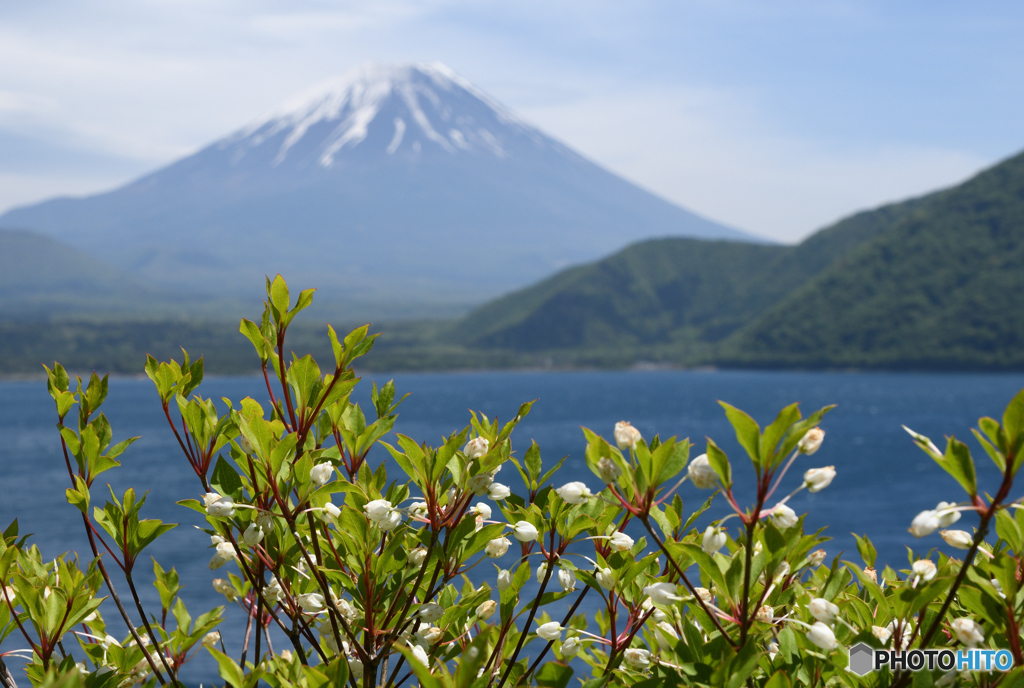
[861, 659]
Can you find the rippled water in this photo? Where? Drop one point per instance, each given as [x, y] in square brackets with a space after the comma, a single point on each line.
[882, 482]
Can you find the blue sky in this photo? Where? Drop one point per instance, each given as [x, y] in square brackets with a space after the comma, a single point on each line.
[775, 117]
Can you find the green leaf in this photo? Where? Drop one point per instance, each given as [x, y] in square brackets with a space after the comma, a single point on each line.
[225, 480]
[958, 463]
[866, 549]
[229, 671]
[1013, 419]
[720, 463]
[748, 433]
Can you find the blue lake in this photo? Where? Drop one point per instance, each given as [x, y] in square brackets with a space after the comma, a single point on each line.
[883, 479]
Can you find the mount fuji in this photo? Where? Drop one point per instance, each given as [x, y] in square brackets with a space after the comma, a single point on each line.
[393, 183]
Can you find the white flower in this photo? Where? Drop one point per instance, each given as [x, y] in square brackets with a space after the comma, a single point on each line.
[605, 578]
[704, 594]
[714, 539]
[765, 613]
[666, 635]
[947, 514]
[480, 484]
[609, 470]
[822, 636]
[321, 473]
[109, 640]
[330, 513]
[355, 667]
[782, 571]
[417, 556]
[486, 609]
[620, 542]
[567, 579]
[216, 540]
[905, 636]
[968, 632]
[497, 547]
[378, 510]
[476, 447]
[570, 647]
[542, 571]
[393, 519]
[273, 592]
[816, 557]
[265, 520]
[482, 510]
[222, 555]
[925, 523]
[823, 610]
[626, 436]
[349, 611]
[701, 474]
[574, 493]
[225, 588]
[637, 657]
[924, 569]
[783, 517]
[421, 655]
[883, 634]
[311, 601]
[656, 614]
[327, 640]
[524, 531]
[211, 639]
[498, 492]
[504, 577]
[223, 507]
[817, 479]
[418, 509]
[430, 612]
[662, 593]
[244, 444]
[811, 441]
[252, 535]
[428, 636]
[550, 631]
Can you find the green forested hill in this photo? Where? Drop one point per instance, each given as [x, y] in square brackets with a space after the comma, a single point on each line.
[934, 282]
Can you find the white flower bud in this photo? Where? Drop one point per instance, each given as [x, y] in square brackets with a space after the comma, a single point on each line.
[811, 441]
[924, 443]
[968, 632]
[567, 579]
[252, 535]
[822, 636]
[816, 557]
[924, 569]
[666, 635]
[311, 601]
[355, 667]
[701, 474]
[504, 577]
[480, 484]
[925, 523]
[637, 657]
[216, 540]
[570, 647]
[378, 510]
[421, 655]
[428, 636]
[550, 631]
[524, 531]
[783, 517]
[417, 557]
[765, 614]
[321, 473]
[211, 639]
[418, 509]
[574, 493]
[662, 593]
[817, 479]
[605, 578]
[704, 594]
[620, 542]
[782, 571]
[497, 547]
[393, 519]
[486, 610]
[222, 555]
[430, 612]
[349, 611]
[482, 510]
[947, 514]
[476, 447]
[225, 588]
[542, 571]
[626, 436]
[823, 610]
[330, 513]
[265, 520]
[244, 444]
[609, 470]
[498, 492]
[224, 507]
[714, 539]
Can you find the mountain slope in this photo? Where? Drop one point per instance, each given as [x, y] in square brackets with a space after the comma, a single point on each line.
[392, 183]
[930, 282]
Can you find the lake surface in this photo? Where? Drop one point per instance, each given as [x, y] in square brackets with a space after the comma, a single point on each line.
[883, 480]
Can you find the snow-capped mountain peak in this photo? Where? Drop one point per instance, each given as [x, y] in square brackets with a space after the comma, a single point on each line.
[390, 109]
